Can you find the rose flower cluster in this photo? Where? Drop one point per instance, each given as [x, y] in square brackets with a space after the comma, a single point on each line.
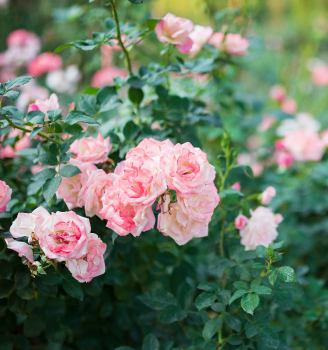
[178, 176]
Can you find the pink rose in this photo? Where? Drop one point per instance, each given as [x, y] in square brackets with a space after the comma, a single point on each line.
[71, 189]
[46, 62]
[236, 186]
[21, 37]
[22, 248]
[200, 36]
[91, 265]
[92, 150]
[236, 45]
[64, 236]
[324, 138]
[277, 93]
[119, 167]
[125, 219]
[289, 105]
[284, 159]
[23, 143]
[175, 30]
[36, 168]
[5, 196]
[26, 224]
[186, 169]
[304, 145]
[105, 76]
[268, 194]
[31, 92]
[266, 123]
[45, 106]
[261, 229]
[180, 226]
[94, 190]
[320, 74]
[217, 39]
[150, 147]
[257, 169]
[201, 205]
[240, 221]
[279, 145]
[278, 218]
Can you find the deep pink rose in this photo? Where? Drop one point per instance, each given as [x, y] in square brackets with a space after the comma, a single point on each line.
[240, 221]
[71, 189]
[175, 30]
[5, 196]
[267, 195]
[277, 93]
[91, 265]
[90, 149]
[125, 219]
[46, 62]
[284, 159]
[289, 105]
[200, 36]
[201, 205]
[94, 190]
[22, 248]
[180, 226]
[105, 76]
[64, 236]
[186, 169]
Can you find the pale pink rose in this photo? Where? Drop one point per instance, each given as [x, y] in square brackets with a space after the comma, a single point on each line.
[261, 229]
[302, 121]
[257, 169]
[64, 235]
[125, 219]
[26, 224]
[324, 137]
[107, 52]
[200, 36]
[180, 226]
[217, 39]
[45, 106]
[90, 149]
[236, 186]
[289, 105]
[91, 265]
[240, 221]
[21, 37]
[236, 45]
[71, 189]
[304, 145]
[201, 205]
[105, 76]
[141, 181]
[277, 93]
[36, 168]
[22, 248]
[119, 167]
[156, 125]
[5, 196]
[186, 169]
[29, 93]
[23, 143]
[150, 147]
[254, 142]
[278, 218]
[44, 63]
[266, 123]
[94, 190]
[320, 74]
[284, 159]
[267, 195]
[175, 30]
[7, 152]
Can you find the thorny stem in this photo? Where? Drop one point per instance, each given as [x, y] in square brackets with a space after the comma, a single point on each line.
[119, 38]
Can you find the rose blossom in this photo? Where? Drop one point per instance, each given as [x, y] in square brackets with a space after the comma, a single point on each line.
[5, 196]
[94, 190]
[236, 186]
[302, 121]
[268, 194]
[71, 188]
[105, 76]
[9, 151]
[93, 264]
[22, 248]
[324, 138]
[289, 106]
[216, 40]
[266, 123]
[175, 30]
[64, 236]
[64, 80]
[90, 149]
[125, 219]
[233, 44]
[29, 93]
[277, 93]
[46, 62]
[180, 226]
[284, 159]
[304, 145]
[186, 169]
[240, 221]
[320, 74]
[200, 36]
[45, 106]
[201, 205]
[261, 229]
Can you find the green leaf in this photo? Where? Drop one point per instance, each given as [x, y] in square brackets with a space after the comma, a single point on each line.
[150, 343]
[136, 82]
[251, 330]
[131, 130]
[33, 326]
[261, 251]
[73, 288]
[249, 302]
[48, 159]
[50, 187]
[65, 157]
[151, 23]
[167, 345]
[62, 47]
[12, 94]
[277, 245]
[158, 299]
[241, 285]
[218, 307]
[256, 282]
[209, 287]
[107, 98]
[78, 116]
[35, 131]
[22, 278]
[232, 322]
[205, 299]
[185, 295]
[136, 95]
[35, 117]
[287, 274]
[85, 45]
[110, 23]
[172, 313]
[11, 83]
[69, 171]
[273, 277]
[211, 327]
[54, 114]
[238, 294]
[64, 147]
[261, 290]
[136, 2]
[44, 175]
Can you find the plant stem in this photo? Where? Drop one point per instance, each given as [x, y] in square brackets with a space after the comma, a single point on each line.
[119, 38]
